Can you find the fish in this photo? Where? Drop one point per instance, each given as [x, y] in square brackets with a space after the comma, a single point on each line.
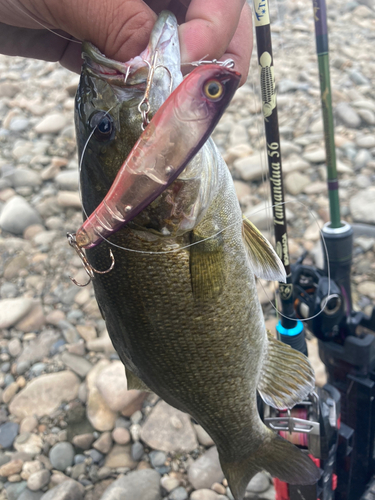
[181, 305]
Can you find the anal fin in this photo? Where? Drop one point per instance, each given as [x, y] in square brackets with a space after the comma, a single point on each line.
[287, 376]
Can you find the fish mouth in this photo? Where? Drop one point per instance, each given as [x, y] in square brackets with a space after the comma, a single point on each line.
[162, 52]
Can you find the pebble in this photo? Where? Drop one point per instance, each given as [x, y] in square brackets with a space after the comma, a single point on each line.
[38, 480]
[112, 385]
[12, 467]
[179, 494]
[61, 456]
[104, 443]
[14, 490]
[259, 483]
[347, 115]
[367, 288]
[13, 310]
[67, 490]
[17, 214]
[14, 347]
[295, 182]
[8, 433]
[159, 433]
[51, 124]
[206, 470]
[22, 176]
[120, 456]
[68, 180]
[77, 364]
[30, 495]
[67, 199]
[205, 494]
[203, 437]
[121, 435]
[137, 451]
[83, 441]
[43, 395]
[137, 485]
[362, 206]
[31, 444]
[250, 168]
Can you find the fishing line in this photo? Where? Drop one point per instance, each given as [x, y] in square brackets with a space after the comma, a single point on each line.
[45, 27]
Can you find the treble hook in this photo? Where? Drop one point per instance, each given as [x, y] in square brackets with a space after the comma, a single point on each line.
[144, 110]
[90, 270]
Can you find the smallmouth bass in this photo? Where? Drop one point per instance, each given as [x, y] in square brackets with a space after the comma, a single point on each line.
[185, 318]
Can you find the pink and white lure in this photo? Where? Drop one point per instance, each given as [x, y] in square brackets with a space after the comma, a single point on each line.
[172, 138]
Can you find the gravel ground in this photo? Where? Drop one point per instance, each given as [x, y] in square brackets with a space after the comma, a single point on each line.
[68, 427]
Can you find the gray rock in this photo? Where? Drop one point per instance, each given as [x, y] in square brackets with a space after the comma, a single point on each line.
[77, 364]
[8, 433]
[51, 124]
[13, 310]
[137, 451]
[14, 490]
[17, 215]
[38, 348]
[8, 290]
[68, 180]
[296, 182]
[365, 141]
[67, 490]
[43, 395]
[206, 470]
[25, 177]
[179, 494]
[169, 430]
[14, 347]
[19, 124]
[138, 485]
[362, 206]
[367, 116]
[203, 436]
[205, 494]
[358, 78]
[259, 483]
[157, 458]
[30, 495]
[61, 456]
[315, 156]
[347, 115]
[38, 480]
[249, 168]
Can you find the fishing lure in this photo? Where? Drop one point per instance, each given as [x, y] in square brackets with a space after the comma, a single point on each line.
[175, 134]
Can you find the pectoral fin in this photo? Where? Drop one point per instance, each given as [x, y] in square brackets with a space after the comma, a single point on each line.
[206, 266]
[287, 376]
[263, 259]
[134, 382]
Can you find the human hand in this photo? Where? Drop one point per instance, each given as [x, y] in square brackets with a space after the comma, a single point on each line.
[212, 29]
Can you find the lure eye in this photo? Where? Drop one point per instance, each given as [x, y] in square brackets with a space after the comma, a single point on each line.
[102, 124]
[213, 89]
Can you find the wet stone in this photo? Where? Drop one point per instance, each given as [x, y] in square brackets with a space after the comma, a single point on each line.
[67, 490]
[179, 494]
[38, 480]
[137, 451]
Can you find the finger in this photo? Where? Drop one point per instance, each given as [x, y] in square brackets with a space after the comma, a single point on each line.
[241, 45]
[209, 28]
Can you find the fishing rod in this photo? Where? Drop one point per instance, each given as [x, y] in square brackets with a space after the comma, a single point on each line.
[289, 329]
[344, 444]
[312, 424]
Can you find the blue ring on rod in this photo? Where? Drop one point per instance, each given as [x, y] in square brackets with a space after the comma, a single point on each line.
[292, 331]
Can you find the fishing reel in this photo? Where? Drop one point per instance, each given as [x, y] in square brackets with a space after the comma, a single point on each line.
[318, 297]
[313, 426]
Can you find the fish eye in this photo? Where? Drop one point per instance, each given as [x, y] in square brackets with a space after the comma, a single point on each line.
[213, 89]
[102, 124]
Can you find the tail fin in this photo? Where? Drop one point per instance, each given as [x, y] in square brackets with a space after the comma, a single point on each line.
[278, 457]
